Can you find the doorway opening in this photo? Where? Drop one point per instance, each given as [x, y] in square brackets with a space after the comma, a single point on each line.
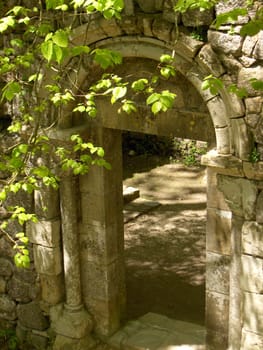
[165, 240]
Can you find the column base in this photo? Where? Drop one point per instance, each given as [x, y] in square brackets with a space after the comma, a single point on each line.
[63, 343]
[72, 328]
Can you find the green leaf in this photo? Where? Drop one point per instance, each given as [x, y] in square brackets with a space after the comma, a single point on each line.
[256, 84]
[140, 84]
[153, 98]
[10, 90]
[3, 195]
[230, 16]
[6, 22]
[60, 38]
[47, 49]
[252, 28]
[157, 107]
[118, 92]
[100, 152]
[78, 50]
[166, 59]
[52, 4]
[106, 58]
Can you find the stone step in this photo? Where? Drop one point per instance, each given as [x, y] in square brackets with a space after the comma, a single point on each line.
[130, 193]
[158, 332]
[138, 207]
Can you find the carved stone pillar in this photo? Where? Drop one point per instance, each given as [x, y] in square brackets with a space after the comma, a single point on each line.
[70, 320]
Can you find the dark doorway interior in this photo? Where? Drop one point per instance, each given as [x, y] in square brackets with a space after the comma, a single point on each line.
[165, 247]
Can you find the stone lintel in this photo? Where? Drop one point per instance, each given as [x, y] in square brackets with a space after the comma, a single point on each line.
[223, 164]
[253, 171]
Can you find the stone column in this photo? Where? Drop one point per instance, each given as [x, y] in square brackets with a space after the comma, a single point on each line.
[235, 297]
[70, 320]
[70, 243]
[101, 236]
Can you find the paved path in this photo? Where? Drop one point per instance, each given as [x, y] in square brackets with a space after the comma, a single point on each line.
[157, 332]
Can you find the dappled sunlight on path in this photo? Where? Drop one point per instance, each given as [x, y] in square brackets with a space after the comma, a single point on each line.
[165, 248]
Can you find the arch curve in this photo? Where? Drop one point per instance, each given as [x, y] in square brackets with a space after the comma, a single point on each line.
[225, 110]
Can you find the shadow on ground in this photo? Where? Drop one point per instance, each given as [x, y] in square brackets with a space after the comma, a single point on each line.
[165, 248]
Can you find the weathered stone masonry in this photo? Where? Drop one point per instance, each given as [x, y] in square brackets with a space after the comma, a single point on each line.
[81, 282]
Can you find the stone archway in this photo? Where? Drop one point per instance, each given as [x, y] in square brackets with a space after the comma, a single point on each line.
[101, 231]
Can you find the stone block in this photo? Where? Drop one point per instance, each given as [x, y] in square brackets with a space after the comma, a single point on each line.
[31, 316]
[215, 198]
[259, 208]
[27, 275]
[185, 44]
[145, 23]
[162, 29]
[47, 260]
[110, 26]
[2, 285]
[258, 50]
[39, 341]
[97, 209]
[101, 281]
[253, 170]
[249, 45]
[7, 308]
[62, 343]
[210, 60]
[223, 7]
[253, 104]
[246, 74]
[252, 120]
[252, 312]
[240, 194]
[251, 341]
[19, 290]
[45, 233]
[226, 43]
[252, 238]
[252, 274]
[216, 340]
[217, 312]
[52, 288]
[100, 244]
[218, 110]
[218, 231]
[106, 314]
[47, 203]
[196, 18]
[242, 142]
[217, 273]
[6, 267]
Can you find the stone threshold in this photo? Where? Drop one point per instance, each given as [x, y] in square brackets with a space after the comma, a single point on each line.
[157, 332]
[138, 207]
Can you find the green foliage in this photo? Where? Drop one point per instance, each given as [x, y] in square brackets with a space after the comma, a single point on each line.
[254, 156]
[161, 102]
[230, 16]
[213, 84]
[185, 5]
[8, 339]
[188, 151]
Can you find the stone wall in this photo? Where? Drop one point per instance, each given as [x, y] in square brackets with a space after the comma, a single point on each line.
[51, 298]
